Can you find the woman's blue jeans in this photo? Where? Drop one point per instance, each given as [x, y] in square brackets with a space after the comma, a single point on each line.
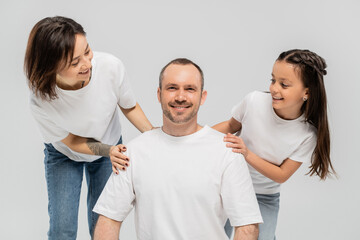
[269, 208]
[64, 179]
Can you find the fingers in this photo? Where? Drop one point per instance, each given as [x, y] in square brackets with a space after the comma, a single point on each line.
[118, 160]
[116, 152]
[237, 150]
[119, 155]
[233, 139]
[116, 167]
[121, 147]
[234, 145]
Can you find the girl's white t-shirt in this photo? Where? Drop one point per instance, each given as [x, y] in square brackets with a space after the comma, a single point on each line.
[271, 137]
[91, 112]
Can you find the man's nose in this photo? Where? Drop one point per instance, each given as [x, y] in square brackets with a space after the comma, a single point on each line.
[180, 96]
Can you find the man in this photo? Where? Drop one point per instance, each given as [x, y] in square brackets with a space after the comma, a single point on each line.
[182, 179]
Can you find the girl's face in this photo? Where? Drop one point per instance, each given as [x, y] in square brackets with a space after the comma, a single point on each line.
[287, 90]
[79, 70]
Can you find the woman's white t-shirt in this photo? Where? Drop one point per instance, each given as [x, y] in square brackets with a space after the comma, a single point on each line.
[91, 112]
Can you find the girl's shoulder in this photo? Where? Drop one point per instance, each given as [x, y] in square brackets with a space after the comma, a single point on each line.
[257, 97]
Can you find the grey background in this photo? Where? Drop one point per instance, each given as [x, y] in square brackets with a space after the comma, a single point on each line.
[236, 43]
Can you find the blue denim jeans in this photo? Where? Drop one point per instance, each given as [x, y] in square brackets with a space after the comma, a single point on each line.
[269, 208]
[64, 179]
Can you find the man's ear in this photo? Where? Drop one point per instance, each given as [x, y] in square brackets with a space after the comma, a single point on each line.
[158, 94]
[203, 97]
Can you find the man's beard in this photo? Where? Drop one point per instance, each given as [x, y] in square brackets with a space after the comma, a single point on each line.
[179, 118]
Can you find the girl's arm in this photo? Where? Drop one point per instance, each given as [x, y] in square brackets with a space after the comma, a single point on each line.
[137, 117]
[276, 173]
[229, 126]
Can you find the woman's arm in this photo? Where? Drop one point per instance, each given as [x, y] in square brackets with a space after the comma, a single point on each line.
[229, 126]
[92, 147]
[279, 174]
[137, 117]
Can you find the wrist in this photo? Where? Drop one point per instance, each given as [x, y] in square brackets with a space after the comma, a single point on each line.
[248, 155]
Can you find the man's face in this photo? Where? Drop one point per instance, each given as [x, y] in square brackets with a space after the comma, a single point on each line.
[180, 94]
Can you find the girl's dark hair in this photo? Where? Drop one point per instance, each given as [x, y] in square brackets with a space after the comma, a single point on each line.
[312, 69]
[51, 43]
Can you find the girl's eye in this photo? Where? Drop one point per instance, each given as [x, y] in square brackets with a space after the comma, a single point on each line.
[272, 80]
[284, 85]
[75, 64]
[87, 53]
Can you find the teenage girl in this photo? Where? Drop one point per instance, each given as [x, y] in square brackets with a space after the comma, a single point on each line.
[282, 129]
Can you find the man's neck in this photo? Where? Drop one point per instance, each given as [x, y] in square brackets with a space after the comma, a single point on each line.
[181, 129]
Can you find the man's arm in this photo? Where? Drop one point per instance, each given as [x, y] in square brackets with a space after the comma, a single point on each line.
[107, 229]
[247, 232]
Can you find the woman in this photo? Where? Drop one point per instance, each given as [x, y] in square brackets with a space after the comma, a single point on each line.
[76, 98]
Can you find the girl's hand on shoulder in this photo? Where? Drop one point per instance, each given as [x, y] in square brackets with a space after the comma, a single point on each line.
[236, 143]
[118, 160]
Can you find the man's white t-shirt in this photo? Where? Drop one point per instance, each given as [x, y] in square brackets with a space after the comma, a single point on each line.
[182, 187]
[91, 112]
[271, 137]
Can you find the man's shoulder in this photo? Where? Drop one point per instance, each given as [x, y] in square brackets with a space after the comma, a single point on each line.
[215, 140]
[144, 138]
[214, 137]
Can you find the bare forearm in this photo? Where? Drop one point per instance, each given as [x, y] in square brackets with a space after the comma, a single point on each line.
[229, 126]
[98, 148]
[107, 229]
[247, 232]
[87, 145]
[137, 117]
[279, 174]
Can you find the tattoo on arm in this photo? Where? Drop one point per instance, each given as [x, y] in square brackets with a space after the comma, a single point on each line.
[98, 148]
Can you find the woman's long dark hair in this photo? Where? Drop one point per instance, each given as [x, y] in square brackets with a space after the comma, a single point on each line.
[51, 43]
[312, 69]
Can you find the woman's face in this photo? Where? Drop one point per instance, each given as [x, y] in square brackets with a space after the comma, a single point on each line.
[79, 70]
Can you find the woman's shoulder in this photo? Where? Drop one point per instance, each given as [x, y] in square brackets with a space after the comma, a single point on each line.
[105, 58]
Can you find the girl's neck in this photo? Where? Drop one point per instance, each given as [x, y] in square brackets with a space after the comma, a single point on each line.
[287, 114]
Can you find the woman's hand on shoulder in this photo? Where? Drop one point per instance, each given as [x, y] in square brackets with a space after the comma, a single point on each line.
[236, 143]
[119, 161]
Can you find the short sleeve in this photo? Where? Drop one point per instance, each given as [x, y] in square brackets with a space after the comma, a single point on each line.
[126, 97]
[118, 198]
[239, 110]
[305, 150]
[49, 130]
[238, 194]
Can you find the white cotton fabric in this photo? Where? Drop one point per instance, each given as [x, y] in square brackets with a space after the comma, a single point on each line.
[91, 111]
[271, 137]
[181, 187]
